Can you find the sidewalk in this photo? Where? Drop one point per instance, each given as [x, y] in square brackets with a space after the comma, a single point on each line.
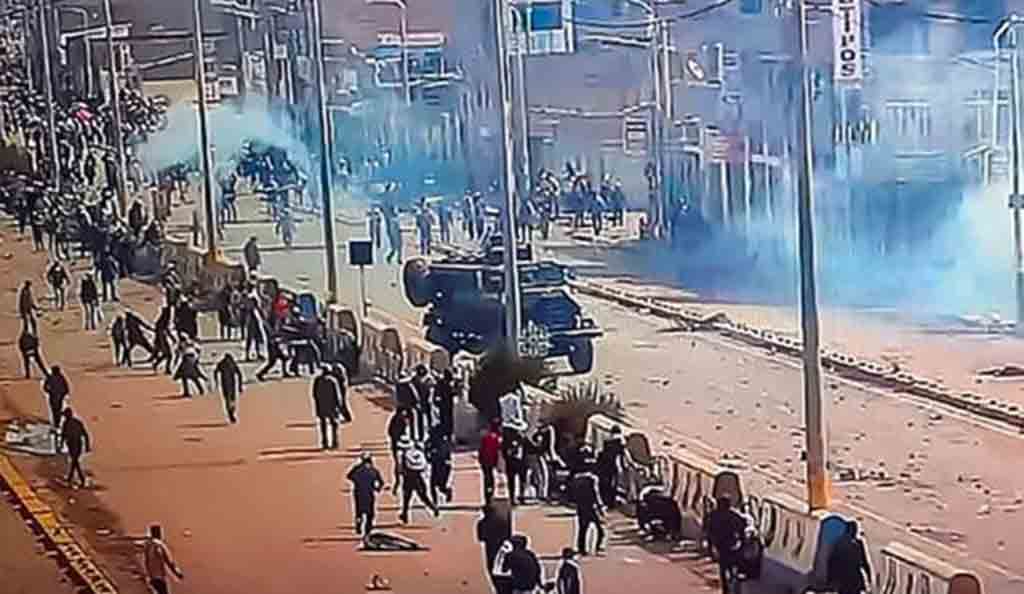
[256, 507]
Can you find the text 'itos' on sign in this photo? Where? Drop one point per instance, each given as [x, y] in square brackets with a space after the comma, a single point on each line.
[847, 36]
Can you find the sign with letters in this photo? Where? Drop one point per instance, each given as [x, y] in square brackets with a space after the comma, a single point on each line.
[847, 37]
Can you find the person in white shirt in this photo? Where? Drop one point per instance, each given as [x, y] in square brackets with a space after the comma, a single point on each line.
[158, 560]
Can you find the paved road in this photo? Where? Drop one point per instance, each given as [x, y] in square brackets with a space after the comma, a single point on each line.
[257, 507]
[948, 490]
[24, 568]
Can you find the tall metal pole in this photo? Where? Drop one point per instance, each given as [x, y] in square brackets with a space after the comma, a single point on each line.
[325, 155]
[512, 301]
[818, 483]
[115, 103]
[1016, 199]
[204, 133]
[404, 33]
[524, 104]
[51, 114]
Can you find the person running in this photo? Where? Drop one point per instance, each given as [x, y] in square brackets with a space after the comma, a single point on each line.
[162, 340]
[366, 484]
[89, 296]
[487, 456]
[275, 353]
[414, 463]
[327, 407]
[398, 431]
[229, 377]
[57, 389]
[189, 369]
[158, 560]
[28, 344]
[58, 278]
[74, 437]
[27, 307]
[134, 326]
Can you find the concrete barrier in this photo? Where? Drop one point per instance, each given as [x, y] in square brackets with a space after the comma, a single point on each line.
[908, 571]
[695, 485]
[382, 349]
[643, 466]
[798, 543]
[418, 351]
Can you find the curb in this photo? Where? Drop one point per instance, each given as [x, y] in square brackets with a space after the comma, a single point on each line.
[83, 570]
[856, 368]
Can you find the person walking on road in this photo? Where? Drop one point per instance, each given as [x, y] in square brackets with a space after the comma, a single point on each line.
[589, 509]
[374, 219]
[27, 307]
[58, 278]
[439, 452]
[423, 382]
[570, 578]
[340, 376]
[487, 456]
[89, 296]
[849, 570]
[28, 344]
[493, 529]
[251, 255]
[229, 377]
[57, 389]
[444, 401]
[610, 463]
[414, 464]
[327, 406]
[74, 437]
[186, 320]
[393, 227]
[119, 341]
[158, 560]
[513, 449]
[366, 483]
[109, 273]
[424, 228]
[726, 528]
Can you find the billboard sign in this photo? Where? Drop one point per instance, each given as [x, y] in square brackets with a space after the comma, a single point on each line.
[848, 39]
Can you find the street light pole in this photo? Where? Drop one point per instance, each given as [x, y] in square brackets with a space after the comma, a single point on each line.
[204, 134]
[818, 483]
[51, 115]
[115, 103]
[512, 301]
[1016, 201]
[524, 101]
[326, 153]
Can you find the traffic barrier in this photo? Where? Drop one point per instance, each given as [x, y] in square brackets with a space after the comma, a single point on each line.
[908, 571]
[382, 352]
[420, 352]
[797, 542]
[696, 483]
[343, 318]
[642, 467]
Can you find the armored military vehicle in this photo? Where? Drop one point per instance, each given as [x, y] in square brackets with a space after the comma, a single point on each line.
[463, 295]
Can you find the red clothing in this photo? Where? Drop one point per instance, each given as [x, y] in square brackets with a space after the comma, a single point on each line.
[490, 448]
[281, 307]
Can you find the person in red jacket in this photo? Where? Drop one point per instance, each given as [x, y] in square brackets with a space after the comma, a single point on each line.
[490, 450]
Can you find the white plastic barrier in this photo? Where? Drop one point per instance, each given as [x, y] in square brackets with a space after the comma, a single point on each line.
[420, 352]
[696, 483]
[382, 350]
[798, 543]
[908, 571]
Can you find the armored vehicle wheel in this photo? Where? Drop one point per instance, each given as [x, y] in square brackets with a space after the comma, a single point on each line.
[581, 356]
[416, 281]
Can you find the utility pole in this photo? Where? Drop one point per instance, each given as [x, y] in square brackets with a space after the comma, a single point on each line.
[115, 103]
[1016, 200]
[51, 115]
[818, 482]
[524, 102]
[512, 302]
[204, 133]
[325, 155]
